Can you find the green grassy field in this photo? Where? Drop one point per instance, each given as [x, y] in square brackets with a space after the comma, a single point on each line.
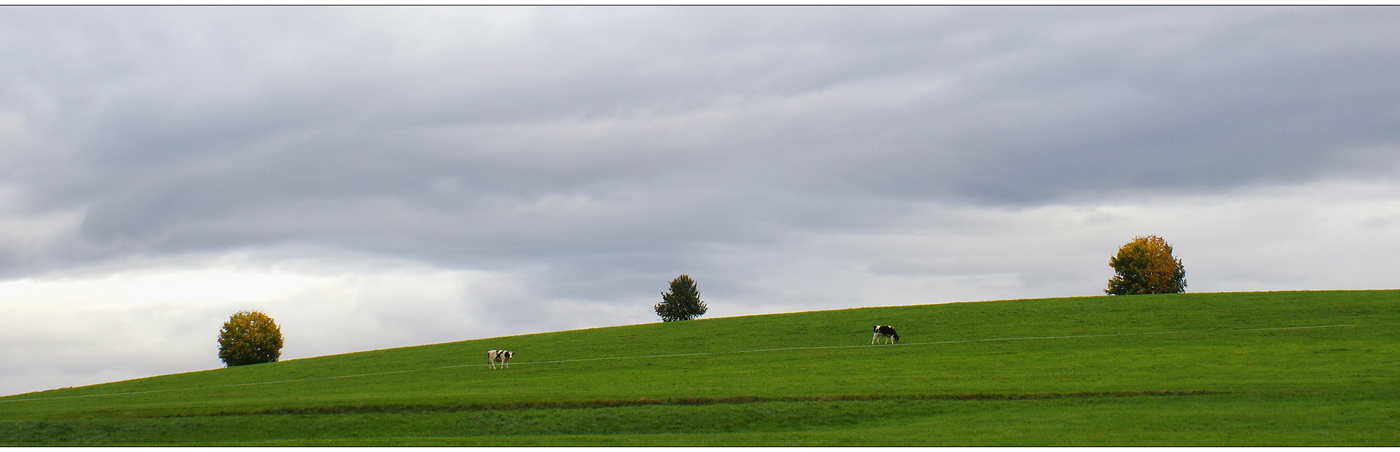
[1225, 369]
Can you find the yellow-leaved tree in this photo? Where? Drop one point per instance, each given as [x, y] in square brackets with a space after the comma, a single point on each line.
[1144, 266]
[249, 337]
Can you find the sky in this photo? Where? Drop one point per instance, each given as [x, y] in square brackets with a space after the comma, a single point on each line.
[376, 177]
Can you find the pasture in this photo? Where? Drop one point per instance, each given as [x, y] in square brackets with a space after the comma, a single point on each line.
[1219, 369]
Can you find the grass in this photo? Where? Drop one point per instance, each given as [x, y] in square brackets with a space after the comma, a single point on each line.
[1227, 369]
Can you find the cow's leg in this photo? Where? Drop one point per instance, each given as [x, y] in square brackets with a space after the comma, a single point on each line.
[873, 338]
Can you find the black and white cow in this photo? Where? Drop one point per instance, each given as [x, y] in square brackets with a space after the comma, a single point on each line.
[499, 356]
[885, 331]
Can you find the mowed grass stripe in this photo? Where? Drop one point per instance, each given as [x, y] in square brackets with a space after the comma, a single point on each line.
[674, 355]
[1027, 338]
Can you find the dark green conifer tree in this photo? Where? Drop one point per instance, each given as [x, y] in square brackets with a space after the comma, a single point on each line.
[682, 302]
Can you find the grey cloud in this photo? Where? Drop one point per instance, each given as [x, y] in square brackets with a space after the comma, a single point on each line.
[1035, 106]
[231, 111]
[1213, 98]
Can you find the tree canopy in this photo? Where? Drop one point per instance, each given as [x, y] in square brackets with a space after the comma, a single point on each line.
[1146, 266]
[249, 337]
[682, 302]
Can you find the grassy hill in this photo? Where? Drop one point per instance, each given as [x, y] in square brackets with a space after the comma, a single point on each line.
[1224, 369]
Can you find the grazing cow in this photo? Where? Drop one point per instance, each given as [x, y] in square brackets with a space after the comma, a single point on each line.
[885, 331]
[499, 356]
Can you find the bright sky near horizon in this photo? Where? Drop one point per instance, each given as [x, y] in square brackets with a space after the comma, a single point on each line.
[377, 177]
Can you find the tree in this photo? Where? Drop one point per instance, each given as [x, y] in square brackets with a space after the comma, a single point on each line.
[249, 337]
[1145, 265]
[682, 302]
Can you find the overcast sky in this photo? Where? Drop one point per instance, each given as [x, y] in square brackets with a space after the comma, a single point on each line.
[379, 177]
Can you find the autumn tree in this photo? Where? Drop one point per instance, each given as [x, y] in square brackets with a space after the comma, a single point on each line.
[682, 302]
[249, 337]
[1145, 266]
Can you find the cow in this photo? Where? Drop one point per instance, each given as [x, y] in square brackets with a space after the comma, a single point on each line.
[499, 356]
[885, 331]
